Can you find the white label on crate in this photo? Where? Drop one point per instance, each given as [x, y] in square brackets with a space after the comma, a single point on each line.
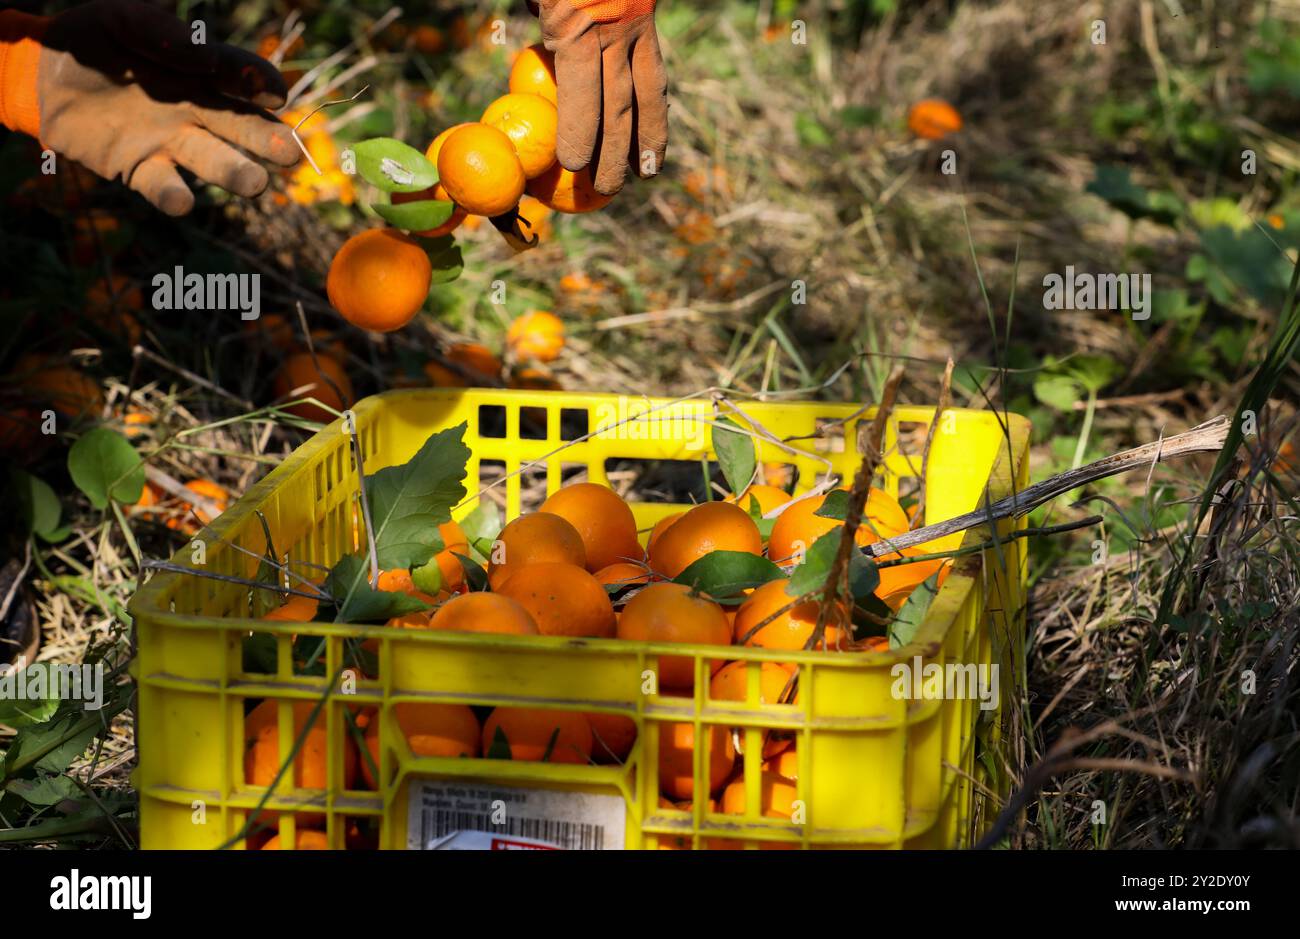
[451, 814]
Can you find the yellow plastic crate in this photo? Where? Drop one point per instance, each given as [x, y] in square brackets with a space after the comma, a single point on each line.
[876, 769]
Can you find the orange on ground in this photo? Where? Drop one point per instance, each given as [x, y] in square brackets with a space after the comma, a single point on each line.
[379, 279]
[566, 191]
[428, 39]
[437, 192]
[710, 526]
[113, 295]
[482, 612]
[533, 379]
[776, 793]
[537, 334]
[602, 519]
[667, 612]
[430, 729]
[769, 498]
[530, 121]
[262, 754]
[533, 72]
[294, 610]
[529, 733]
[612, 736]
[529, 539]
[304, 840]
[209, 490]
[790, 630]
[67, 390]
[563, 599]
[273, 329]
[623, 574]
[480, 170]
[579, 282]
[677, 758]
[300, 372]
[474, 356]
[933, 119]
[659, 528]
[799, 526]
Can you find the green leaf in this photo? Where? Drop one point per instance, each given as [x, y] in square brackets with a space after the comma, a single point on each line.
[1251, 260]
[1113, 183]
[419, 216]
[858, 116]
[359, 602]
[835, 505]
[724, 575]
[44, 790]
[54, 744]
[39, 506]
[446, 257]
[259, 654]
[500, 748]
[482, 523]
[810, 131]
[475, 573]
[812, 573]
[909, 619]
[1058, 392]
[1094, 372]
[736, 455]
[104, 466]
[409, 502]
[765, 525]
[393, 166]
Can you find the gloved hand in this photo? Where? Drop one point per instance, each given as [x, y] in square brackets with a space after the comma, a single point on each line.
[120, 87]
[611, 83]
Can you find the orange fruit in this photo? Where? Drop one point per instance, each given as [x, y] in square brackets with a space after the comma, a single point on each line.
[294, 610]
[300, 377]
[905, 577]
[533, 538]
[623, 574]
[272, 329]
[731, 682]
[579, 283]
[710, 526]
[933, 119]
[454, 542]
[602, 519]
[435, 146]
[529, 733]
[262, 753]
[660, 527]
[430, 729]
[785, 764]
[113, 295]
[566, 191]
[533, 379]
[667, 612]
[428, 39]
[769, 498]
[776, 793]
[538, 334]
[379, 279]
[564, 599]
[677, 758]
[474, 356]
[304, 840]
[482, 612]
[437, 192]
[799, 525]
[530, 121]
[790, 630]
[480, 170]
[612, 736]
[67, 390]
[538, 219]
[208, 490]
[533, 72]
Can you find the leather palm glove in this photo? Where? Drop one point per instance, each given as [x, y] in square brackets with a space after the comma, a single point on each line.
[612, 87]
[119, 86]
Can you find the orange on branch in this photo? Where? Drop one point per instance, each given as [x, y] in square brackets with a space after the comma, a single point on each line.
[566, 191]
[533, 72]
[531, 122]
[480, 170]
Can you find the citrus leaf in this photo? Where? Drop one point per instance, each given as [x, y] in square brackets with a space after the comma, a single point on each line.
[765, 525]
[903, 629]
[104, 466]
[483, 522]
[835, 505]
[38, 504]
[736, 455]
[812, 573]
[446, 258]
[724, 575]
[409, 502]
[359, 602]
[416, 216]
[475, 575]
[500, 748]
[393, 166]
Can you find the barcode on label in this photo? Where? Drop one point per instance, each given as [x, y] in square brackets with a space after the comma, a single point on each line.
[444, 813]
[572, 836]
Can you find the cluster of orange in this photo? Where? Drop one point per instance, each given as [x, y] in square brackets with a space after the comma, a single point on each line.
[576, 567]
[180, 514]
[379, 279]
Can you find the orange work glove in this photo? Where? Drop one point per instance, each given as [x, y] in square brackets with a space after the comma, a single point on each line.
[119, 86]
[612, 87]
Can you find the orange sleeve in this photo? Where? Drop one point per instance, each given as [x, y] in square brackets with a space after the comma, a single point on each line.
[20, 56]
[612, 11]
